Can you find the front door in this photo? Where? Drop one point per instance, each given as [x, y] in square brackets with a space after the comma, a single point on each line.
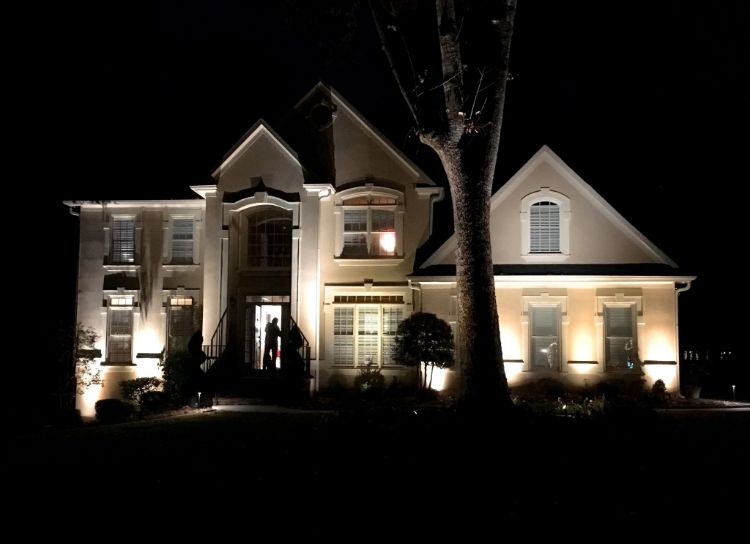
[259, 312]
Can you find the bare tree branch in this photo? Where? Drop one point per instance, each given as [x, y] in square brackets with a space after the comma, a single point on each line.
[384, 46]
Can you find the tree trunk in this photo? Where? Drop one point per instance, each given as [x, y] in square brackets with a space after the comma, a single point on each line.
[465, 133]
[478, 345]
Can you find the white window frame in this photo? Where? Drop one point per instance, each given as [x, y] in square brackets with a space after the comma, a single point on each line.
[369, 191]
[608, 367]
[110, 239]
[244, 226]
[552, 298]
[119, 304]
[618, 297]
[169, 230]
[378, 361]
[545, 194]
[179, 301]
[558, 363]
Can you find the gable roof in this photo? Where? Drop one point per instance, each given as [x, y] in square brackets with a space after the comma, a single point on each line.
[546, 155]
[369, 129]
[257, 131]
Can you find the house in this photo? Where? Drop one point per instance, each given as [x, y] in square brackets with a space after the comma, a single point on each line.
[320, 229]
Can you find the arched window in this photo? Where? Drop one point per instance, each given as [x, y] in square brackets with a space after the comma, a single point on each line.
[545, 221]
[544, 227]
[269, 238]
[370, 223]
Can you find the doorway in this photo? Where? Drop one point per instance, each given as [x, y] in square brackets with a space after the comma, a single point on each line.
[259, 312]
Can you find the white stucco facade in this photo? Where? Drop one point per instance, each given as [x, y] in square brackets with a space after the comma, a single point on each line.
[325, 231]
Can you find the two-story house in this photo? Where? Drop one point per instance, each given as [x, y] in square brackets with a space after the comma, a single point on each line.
[321, 229]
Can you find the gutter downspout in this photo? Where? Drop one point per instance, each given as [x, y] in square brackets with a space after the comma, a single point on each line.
[418, 288]
[678, 290]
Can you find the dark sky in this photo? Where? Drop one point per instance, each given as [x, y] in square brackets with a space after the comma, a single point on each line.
[647, 105]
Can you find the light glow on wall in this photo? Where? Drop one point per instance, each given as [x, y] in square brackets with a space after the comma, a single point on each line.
[87, 401]
[666, 372]
[439, 378]
[582, 347]
[513, 371]
[582, 367]
[148, 340]
[388, 242]
[511, 346]
[659, 347]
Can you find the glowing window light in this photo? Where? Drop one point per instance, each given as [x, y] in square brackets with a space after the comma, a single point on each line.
[388, 242]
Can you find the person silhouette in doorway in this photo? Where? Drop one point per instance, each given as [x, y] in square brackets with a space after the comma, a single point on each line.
[271, 345]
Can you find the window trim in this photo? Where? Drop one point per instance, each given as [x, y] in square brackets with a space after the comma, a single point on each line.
[356, 307]
[244, 225]
[369, 190]
[545, 194]
[112, 307]
[109, 240]
[169, 241]
[556, 298]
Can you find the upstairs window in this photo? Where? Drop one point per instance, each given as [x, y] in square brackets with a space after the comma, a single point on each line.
[544, 227]
[371, 224]
[369, 227]
[182, 241]
[123, 241]
[269, 238]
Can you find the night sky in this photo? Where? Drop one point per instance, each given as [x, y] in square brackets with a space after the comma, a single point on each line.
[647, 105]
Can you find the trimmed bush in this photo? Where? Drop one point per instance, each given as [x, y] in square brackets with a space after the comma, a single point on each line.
[154, 402]
[113, 410]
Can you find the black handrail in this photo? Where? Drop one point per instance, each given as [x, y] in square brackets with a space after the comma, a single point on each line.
[304, 349]
[215, 348]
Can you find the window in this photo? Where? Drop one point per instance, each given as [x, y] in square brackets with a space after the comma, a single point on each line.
[620, 342]
[180, 323]
[182, 241]
[544, 228]
[545, 337]
[269, 238]
[370, 225]
[364, 335]
[123, 241]
[120, 330]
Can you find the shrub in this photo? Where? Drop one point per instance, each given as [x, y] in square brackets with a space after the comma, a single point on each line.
[113, 410]
[424, 339]
[153, 402]
[133, 390]
[369, 381]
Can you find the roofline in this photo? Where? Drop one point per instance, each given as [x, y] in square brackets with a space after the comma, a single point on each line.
[249, 138]
[545, 154]
[548, 279]
[195, 202]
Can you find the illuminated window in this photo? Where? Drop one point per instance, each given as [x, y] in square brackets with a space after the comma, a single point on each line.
[369, 227]
[544, 228]
[182, 241]
[363, 335]
[544, 339]
[180, 323]
[120, 330]
[123, 241]
[620, 340]
[269, 238]
[370, 223]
